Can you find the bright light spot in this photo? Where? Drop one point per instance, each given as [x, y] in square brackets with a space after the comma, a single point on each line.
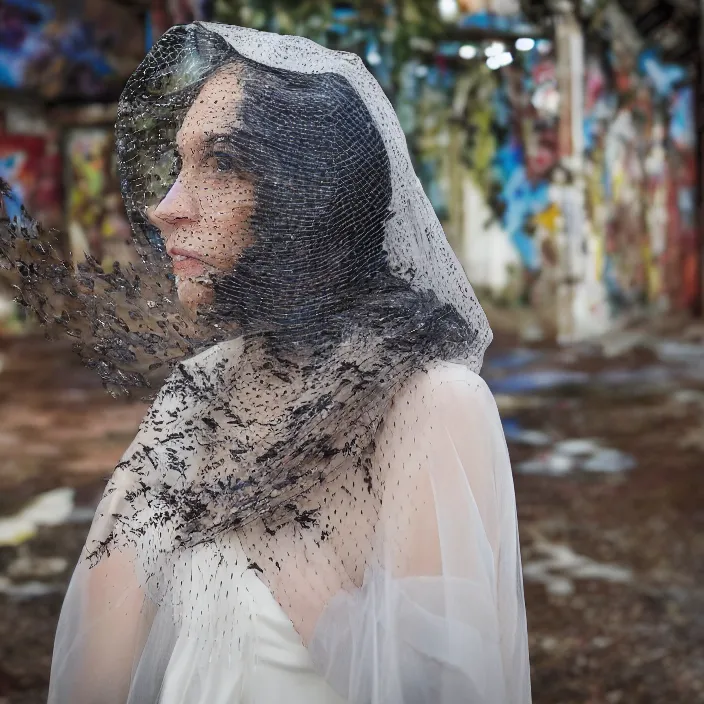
[546, 99]
[421, 71]
[494, 49]
[468, 51]
[544, 46]
[495, 62]
[448, 9]
[374, 57]
[525, 44]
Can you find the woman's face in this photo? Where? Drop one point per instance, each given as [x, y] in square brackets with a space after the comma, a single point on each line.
[204, 218]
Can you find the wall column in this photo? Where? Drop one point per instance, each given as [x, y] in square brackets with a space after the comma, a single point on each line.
[569, 180]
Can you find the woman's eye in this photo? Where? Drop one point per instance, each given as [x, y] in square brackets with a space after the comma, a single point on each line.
[224, 161]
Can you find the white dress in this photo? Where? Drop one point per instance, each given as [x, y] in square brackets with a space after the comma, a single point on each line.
[438, 619]
[257, 661]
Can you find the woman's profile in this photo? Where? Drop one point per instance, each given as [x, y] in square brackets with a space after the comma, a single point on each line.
[318, 507]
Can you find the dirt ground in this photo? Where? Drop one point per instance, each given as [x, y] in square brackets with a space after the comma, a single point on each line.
[613, 556]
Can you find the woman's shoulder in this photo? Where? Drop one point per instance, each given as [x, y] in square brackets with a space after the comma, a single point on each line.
[443, 382]
[440, 399]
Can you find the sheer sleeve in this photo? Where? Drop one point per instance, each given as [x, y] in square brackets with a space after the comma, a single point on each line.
[106, 620]
[440, 618]
[98, 637]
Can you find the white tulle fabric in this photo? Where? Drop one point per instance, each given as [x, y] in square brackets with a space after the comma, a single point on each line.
[439, 616]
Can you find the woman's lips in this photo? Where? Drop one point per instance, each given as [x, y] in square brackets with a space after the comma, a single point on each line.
[188, 267]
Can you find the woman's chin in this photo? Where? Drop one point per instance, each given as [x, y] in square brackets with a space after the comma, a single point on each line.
[193, 295]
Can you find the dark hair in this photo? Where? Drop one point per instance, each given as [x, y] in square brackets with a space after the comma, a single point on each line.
[323, 188]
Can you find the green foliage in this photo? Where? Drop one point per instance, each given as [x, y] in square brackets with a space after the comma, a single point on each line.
[399, 20]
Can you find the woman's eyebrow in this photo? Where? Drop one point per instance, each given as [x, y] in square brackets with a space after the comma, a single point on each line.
[208, 139]
[232, 137]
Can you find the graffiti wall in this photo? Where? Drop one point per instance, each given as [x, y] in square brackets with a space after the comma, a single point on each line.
[96, 222]
[682, 272]
[30, 164]
[509, 116]
[640, 175]
[613, 230]
[62, 49]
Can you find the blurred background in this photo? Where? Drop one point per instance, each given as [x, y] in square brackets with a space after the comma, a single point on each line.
[561, 144]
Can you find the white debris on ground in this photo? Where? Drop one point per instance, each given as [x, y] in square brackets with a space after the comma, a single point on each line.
[29, 576]
[583, 454]
[557, 566]
[49, 509]
[28, 590]
[32, 567]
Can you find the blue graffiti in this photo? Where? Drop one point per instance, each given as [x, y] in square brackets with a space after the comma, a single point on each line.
[9, 165]
[682, 130]
[33, 36]
[522, 200]
[663, 77]
[514, 23]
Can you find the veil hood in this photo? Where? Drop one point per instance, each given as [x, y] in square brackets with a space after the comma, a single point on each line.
[339, 207]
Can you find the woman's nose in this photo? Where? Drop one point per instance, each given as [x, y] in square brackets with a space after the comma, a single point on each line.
[177, 207]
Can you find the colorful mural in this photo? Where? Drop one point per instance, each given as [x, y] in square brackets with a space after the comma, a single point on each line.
[96, 220]
[617, 236]
[640, 171]
[510, 117]
[31, 166]
[29, 177]
[59, 50]
[681, 201]
[431, 135]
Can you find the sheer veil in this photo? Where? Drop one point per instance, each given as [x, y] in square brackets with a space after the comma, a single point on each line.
[320, 425]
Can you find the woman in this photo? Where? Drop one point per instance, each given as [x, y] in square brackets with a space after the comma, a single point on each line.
[318, 507]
